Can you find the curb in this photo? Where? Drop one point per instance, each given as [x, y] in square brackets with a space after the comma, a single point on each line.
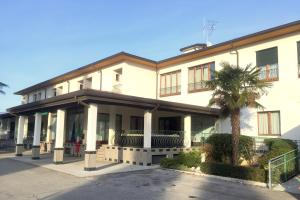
[228, 179]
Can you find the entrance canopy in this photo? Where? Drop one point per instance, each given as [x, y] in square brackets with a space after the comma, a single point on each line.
[94, 96]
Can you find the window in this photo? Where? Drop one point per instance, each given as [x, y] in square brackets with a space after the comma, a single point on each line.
[298, 51]
[169, 124]
[136, 123]
[198, 75]
[170, 83]
[35, 97]
[267, 61]
[39, 96]
[269, 123]
[54, 92]
[80, 85]
[117, 77]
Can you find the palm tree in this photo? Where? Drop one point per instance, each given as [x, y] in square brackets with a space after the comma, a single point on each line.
[1, 86]
[235, 88]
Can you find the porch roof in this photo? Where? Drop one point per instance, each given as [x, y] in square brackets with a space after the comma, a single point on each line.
[108, 98]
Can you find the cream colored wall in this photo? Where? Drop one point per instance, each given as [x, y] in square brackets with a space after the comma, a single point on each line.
[136, 80]
[283, 96]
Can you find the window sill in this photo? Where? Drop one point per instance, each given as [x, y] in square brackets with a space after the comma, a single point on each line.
[199, 90]
[269, 135]
[167, 95]
[270, 80]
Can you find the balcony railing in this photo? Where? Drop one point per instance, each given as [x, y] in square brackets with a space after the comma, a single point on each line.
[269, 72]
[197, 86]
[170, 90]
[159, 139]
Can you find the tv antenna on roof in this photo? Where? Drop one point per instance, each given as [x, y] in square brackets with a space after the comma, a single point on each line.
[208, 28]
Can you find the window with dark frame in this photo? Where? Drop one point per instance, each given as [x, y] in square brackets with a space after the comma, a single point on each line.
[267, 61]
[198, 75]
[268, 123]
[136, 123]
[170, 83]
[298, 53]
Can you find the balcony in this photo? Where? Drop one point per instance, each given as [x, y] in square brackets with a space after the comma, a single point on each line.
[269, 73]
[197, 86]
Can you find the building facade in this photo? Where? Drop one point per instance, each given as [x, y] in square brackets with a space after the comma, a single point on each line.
[136, 110]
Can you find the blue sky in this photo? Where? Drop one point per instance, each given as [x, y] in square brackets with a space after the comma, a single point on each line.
[42, 39]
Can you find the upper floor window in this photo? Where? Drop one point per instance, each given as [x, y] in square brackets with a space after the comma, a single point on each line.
[170, 83]
[267, 61]
[80, 85]
[269, 123]
[298, 52]
[35, 97]
[198, 75]
[54, 92]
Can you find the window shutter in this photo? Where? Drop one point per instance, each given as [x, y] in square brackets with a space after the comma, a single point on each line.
[267, 57]
[212, 70]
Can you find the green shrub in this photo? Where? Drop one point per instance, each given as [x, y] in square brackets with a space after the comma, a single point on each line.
[190, 159]
[222, 147]
[241, 172]
[277, 147]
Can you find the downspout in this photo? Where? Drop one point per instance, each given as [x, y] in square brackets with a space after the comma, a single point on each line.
[155, 108]
[81, 102]
[100, 71]
[156, 88]
[235, 51]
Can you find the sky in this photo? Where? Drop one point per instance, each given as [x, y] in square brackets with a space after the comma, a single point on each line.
[42, 39]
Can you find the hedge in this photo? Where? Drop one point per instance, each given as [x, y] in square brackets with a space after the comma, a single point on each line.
[222, 147]
[240, 172]
[190, 159]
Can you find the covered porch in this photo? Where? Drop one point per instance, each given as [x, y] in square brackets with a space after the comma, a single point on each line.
[113, 127]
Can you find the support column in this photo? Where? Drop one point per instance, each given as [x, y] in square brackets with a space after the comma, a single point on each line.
[20, 133]
[187, 131]
[147, 128]
[37, 136]
[112, 127]
[59, 138]
[49, 133]
[90, 152]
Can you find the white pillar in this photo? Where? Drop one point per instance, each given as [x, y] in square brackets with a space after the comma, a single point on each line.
[60, 128]
[187, 131]
[91, 127]
[90, 152]
[48, 138]
[147, 128]
[37, 129]
[20, 133]
[37, 136]
[59, 138]
[25, 127]
[112, 127]
[21, 122]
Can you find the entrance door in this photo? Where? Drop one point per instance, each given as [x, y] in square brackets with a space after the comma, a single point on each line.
[102, 128]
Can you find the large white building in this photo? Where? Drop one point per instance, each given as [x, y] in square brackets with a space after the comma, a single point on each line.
[157, 108]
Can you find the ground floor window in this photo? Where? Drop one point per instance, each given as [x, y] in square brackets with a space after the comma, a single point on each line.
[269, 123]
[102, 127]
[74, 125]
[136, 123]
[202, 127]
[118, 123]
[170, 124]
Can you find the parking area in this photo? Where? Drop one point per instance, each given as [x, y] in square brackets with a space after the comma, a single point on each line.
[20, 180]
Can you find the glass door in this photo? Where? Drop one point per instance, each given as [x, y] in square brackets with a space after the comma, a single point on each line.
[102, 128]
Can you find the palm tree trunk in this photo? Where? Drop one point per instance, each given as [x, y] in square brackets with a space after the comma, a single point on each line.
[235, 125]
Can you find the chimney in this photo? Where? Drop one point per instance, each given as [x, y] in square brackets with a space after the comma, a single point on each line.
[193, 47]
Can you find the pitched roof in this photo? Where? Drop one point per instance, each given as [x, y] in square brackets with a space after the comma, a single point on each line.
[211, 50]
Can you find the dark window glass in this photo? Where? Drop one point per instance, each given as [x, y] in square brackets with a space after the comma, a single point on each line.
[267, 57]
[136, 123]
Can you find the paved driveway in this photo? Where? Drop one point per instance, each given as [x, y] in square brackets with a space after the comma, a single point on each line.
[24, 181]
